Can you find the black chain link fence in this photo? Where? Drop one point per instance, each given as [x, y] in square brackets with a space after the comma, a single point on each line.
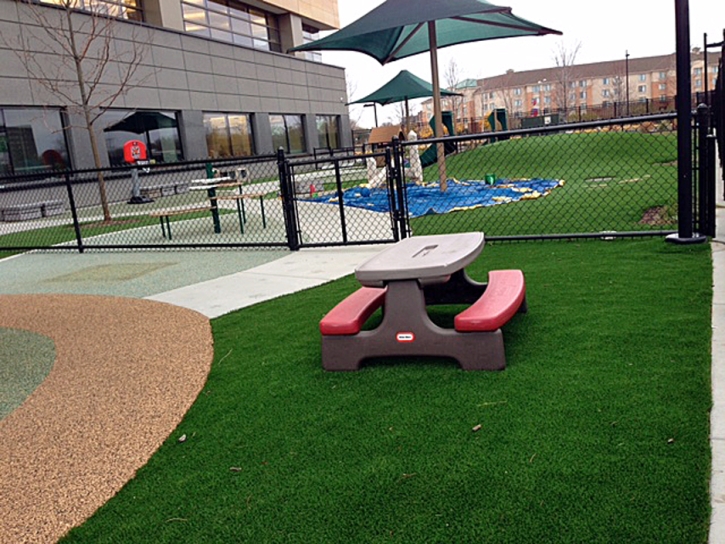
[599, 179]
[612, 178]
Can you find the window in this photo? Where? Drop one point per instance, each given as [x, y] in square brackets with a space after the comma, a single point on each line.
[662, 75]
[641, 88]
[231, 21]
[536, 89]
[228, 135]
[582, 83]
[698, 71]
[547, 87]
[288, 133]
[606, 93]
[124, 9]
[583, 95]
[517, 91]
[605, 81]
[311, 34]
[31, 140]
[518, 104]
[157, 129]
[663, 86]
[698, 82]
[643, 77]
[328, 132]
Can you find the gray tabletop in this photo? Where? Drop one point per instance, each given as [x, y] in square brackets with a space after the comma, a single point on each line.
[428, 259]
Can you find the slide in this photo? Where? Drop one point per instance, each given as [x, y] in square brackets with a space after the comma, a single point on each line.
[429, 156]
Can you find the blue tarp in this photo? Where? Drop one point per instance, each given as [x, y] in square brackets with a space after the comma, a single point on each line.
[460, 195]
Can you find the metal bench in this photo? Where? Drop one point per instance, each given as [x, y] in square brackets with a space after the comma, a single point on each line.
[164, 216]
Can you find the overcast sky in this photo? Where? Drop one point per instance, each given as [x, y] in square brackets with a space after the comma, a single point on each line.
[605, 31]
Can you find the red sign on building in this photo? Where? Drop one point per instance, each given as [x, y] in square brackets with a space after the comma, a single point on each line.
[134, 150]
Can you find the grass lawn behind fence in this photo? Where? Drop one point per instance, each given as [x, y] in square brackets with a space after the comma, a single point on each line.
[596, 432]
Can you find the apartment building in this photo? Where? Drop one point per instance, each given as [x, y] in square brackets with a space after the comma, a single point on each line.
[212, 78]
[619, 87]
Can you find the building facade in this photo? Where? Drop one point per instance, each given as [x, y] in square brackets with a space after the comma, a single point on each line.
[202, 78]
[587, 91]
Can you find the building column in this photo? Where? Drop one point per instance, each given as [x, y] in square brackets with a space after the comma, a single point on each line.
[345, 131]
[262, 134]
[290, 32]
[192, 134]
[164, 13]
[310, 128]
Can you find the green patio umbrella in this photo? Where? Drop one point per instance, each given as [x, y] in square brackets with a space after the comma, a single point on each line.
[401, 28]
[403, 87]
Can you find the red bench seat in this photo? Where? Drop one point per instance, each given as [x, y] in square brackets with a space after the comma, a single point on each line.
[349, 315]
[504, 295]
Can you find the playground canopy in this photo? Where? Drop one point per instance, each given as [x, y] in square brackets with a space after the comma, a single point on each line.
[404, 86]
[401, 28]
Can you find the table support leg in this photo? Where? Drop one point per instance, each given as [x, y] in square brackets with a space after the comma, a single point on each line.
[407, 331]
[214, 210]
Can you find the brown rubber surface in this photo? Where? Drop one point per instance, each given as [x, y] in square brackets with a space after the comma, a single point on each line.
[126, 372]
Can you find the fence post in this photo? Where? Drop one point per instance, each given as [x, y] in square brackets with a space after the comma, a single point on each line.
[685, 234]
[340, 201]
[74, 213]
[288, 205]
[705, 172]
[396, 169]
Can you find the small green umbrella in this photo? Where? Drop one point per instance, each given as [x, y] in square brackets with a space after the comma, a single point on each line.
[400, 28]
[403, 87]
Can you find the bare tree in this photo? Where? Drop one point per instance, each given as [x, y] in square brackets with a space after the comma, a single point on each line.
[453, 77]
[351, 86]
[564, 59]
[91, 65]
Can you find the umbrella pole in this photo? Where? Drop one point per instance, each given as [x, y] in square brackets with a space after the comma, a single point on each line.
[437, 115]
[407, 119]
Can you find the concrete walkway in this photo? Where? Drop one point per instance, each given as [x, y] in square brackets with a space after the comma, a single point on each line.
[294, 272]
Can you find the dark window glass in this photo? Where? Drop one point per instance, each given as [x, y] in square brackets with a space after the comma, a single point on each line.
[228, 135]
[232, 21]
[123, 9]
[159, 130]
[288, 133]
[327, 131]
[32, 140]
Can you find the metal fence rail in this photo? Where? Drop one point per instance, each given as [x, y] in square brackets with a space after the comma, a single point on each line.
[600, 179]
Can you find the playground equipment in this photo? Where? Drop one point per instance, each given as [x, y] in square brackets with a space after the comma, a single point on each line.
[498, 116]
[430, 156]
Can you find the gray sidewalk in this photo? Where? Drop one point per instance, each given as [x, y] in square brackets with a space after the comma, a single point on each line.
[294, 272]
[717, 416]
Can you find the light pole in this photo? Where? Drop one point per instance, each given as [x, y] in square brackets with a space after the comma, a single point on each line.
[375, 111]
[626, 77]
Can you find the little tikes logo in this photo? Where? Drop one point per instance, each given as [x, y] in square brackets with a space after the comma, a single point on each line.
[405, 337]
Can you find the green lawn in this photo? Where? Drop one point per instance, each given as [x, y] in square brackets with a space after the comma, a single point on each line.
[596, 432]
[611, 180]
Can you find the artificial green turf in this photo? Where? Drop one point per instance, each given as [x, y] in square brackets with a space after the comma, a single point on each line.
[596, 432]
[26, 358]
[611, 180]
